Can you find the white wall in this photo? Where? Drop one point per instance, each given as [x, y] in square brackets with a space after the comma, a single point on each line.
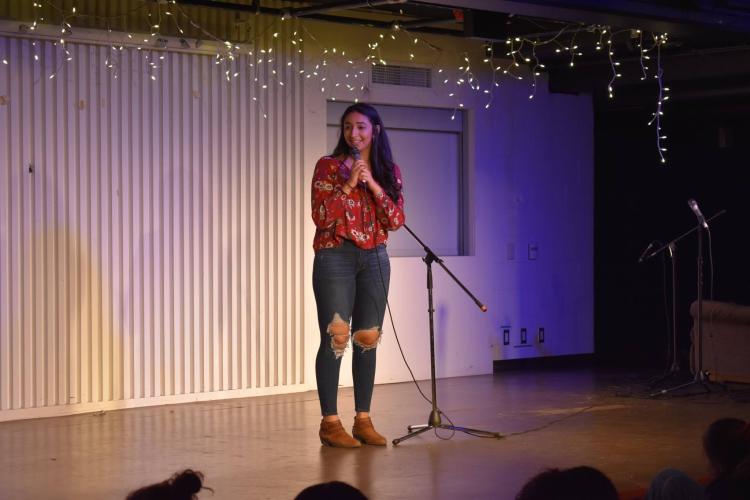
[531, 173]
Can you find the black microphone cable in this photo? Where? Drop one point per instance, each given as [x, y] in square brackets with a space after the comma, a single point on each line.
[385, 296]
[354, 151]
[372, 212]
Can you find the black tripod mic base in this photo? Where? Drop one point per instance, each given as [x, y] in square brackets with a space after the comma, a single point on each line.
[420, 428]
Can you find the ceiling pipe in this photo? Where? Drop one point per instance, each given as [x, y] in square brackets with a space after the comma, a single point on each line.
[419, 23]
[257, 9]
[385, 25]
[332, 7]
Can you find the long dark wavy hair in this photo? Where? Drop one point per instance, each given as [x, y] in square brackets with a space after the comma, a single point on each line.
[381, 159]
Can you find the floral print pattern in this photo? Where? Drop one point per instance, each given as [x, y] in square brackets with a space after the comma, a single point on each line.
[338, 216]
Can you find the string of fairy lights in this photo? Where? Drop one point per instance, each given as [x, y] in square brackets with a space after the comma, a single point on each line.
[325, 65]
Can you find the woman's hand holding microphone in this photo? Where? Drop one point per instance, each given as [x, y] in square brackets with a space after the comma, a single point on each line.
[361, 173]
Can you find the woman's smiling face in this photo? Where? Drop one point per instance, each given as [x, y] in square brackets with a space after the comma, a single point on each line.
[358, 132]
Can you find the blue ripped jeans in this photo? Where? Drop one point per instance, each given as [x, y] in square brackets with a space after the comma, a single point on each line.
[349, 289]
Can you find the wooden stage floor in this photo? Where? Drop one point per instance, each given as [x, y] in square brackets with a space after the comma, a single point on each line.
[268, 448]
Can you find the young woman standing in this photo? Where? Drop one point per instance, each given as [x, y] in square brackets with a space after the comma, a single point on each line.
[356, 201]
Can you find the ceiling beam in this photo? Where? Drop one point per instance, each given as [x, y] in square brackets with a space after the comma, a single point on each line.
[619, 13]
[256, 8]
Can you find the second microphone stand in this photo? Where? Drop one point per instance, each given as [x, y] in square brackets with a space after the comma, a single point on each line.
[700, 377]
[435, 421]
[671, 247]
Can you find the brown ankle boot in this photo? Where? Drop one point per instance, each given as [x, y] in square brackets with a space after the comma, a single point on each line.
[333, 434]
[365, 432]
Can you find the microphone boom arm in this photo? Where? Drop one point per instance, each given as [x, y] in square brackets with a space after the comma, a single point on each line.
[683, 235]
[431, 257]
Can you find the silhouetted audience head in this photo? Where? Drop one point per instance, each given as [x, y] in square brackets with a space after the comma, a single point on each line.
[334, 489]
[741, 475]
[726, 443]
[577, 483]
[181, 486]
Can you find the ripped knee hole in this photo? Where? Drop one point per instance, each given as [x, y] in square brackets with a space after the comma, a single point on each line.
[338, 329]
[340, 341]
[367, 339]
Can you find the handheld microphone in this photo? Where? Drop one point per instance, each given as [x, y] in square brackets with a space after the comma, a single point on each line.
[697, 211]
[356, 155]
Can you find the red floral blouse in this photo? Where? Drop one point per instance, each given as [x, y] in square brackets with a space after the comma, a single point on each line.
[339, 216]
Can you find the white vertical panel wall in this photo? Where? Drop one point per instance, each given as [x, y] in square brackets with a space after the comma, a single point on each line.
[150, 230]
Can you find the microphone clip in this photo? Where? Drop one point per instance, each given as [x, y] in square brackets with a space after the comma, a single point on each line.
[645, 255]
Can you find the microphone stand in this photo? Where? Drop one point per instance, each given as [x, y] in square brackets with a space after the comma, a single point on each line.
[434, 421]
[700, 376]
[672, 248]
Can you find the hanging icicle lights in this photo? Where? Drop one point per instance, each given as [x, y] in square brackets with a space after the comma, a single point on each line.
[521, 58]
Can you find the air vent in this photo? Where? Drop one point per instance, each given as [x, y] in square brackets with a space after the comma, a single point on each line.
[401, 75]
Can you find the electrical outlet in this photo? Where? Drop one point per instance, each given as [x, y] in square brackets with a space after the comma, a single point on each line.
[524, 336]
[533, 251]
[506, 335]
[540, 335]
